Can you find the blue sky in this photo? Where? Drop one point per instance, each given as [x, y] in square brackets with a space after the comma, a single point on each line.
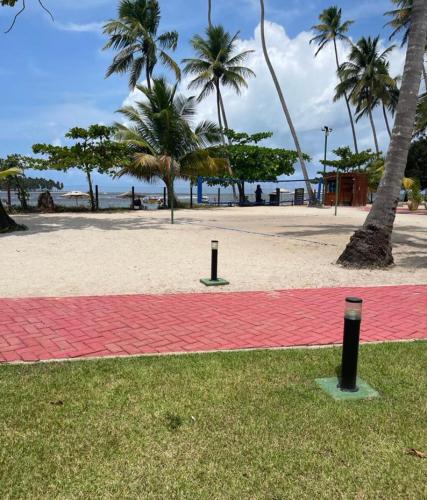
[52, 74]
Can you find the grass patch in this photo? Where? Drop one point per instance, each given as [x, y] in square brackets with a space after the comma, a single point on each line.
[223, 425]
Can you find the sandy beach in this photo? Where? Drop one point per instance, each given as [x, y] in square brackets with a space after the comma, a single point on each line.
[261, 248]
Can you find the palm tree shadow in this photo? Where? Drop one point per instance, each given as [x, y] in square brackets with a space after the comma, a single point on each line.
[48, 223]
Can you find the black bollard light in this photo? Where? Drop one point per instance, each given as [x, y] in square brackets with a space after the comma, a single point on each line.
[214, 280]
[214, 260]
[349, 386]
[350, 348]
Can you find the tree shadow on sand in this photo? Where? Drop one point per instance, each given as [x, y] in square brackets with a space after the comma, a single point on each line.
[48, 223]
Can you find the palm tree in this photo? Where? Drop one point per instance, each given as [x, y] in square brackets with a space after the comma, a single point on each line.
[284, 105]
[134, 35]
[370, 246]
[362, 77]
[402, 21]
[164, 143]
[386, 96]
[7, 224]
[332, 29]
[217, 64]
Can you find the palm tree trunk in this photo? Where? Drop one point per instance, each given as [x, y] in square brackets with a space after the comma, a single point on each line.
[224, 116]
[210, 13]
[218, 109]
[7, 224]
[284, 106]
[171, 191]
[350, 114]
[225, 121]
[374, 132]
[386, 121]
[147, 73]
[370, 246]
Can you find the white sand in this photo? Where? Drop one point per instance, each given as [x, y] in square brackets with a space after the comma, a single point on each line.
[261, 248]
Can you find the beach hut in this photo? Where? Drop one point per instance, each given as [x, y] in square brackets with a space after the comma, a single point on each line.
[353, 189]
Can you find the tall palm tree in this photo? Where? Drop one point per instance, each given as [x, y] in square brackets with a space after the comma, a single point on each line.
[386, 96]
[331, 28]
[363, 75]
[135, 36]
[284, 105]
[401, 21]
[370, 246]
[164, 143]
[217, 64]
[7, 224]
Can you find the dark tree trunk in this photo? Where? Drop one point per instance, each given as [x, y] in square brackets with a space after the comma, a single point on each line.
[370, 246]
[241, 188]
[91, 194]
[147, 73]
[7, 224]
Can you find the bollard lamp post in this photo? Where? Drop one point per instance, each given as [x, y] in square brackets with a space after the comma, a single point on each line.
[350, 348]
[214, 280]
[348, 386]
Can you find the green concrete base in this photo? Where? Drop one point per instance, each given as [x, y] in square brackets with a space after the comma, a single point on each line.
[330, 386]
[218, 282]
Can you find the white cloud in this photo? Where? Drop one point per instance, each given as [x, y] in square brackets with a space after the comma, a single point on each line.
[308, 84]
[95, 27]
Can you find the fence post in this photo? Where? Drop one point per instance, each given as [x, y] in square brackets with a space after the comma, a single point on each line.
[199, 190]
[219, 196]
[165, 205]
[191, 194]
[133, 198]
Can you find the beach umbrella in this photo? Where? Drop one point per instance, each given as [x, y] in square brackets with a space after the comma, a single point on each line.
[76, 195]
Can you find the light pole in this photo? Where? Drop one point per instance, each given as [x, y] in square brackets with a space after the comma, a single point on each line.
[327, 131]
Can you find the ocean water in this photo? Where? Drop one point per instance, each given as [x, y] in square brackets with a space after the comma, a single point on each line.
[111, 199]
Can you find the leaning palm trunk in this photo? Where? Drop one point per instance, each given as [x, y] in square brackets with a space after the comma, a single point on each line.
[350, 114]
[370, 246]
[386, 120]
[210, 13]
[284, 106]
[374, 131]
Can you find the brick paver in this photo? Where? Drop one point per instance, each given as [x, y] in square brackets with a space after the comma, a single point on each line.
[55, 328]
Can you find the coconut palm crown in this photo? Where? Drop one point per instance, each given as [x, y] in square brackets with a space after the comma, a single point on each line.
[330, 28]
[401, 19]
[365, 76]
[134, 34]
[163, 139]
[217, 63]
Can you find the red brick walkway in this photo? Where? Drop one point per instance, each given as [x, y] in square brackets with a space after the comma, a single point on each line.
[55, 328]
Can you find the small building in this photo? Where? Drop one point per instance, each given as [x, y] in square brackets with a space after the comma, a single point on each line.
[353, 189]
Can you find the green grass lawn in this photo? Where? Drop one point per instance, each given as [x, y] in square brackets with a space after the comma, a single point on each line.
[226, 425]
